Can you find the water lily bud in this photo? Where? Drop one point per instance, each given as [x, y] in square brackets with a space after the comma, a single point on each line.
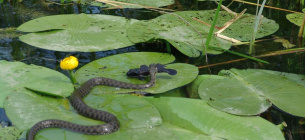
[69, 63]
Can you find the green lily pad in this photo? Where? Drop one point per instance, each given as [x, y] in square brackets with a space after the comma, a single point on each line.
[185, 134]
[149, 133]
[9, 133]
[197, 116]
[115, 67]
[138, 118]
[252, 91]
[15, 76]
[131, 3]
[27, 108]
[295, 18]
[178, 92]
[192, 88]
[166, 131]
[82, 33]
[175, 28]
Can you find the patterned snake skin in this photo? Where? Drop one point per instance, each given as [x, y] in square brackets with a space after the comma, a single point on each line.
[76, 100]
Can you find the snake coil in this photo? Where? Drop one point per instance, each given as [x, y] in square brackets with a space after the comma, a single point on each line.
[76, 100]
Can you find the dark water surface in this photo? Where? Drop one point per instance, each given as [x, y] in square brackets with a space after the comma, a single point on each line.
[13, 14]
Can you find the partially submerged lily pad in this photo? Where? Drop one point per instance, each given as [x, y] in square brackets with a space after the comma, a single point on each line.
[252, 91]
[82, 33]
[15, 76]
[115, 67]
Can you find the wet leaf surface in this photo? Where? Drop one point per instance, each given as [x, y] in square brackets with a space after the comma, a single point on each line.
[115, 67]
[197, 116]
[81, 33]
[182, 30]
[27, 108]
[252, 91]
[16, 76]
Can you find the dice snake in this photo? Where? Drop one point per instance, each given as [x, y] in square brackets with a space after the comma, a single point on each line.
[76, 100]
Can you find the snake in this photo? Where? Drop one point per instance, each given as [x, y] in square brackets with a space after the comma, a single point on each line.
[111, 125]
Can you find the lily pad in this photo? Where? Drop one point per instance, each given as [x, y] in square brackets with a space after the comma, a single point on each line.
[9, 133]
[27, 108]
[115, 67]
[295, 18]
[177, 29]
[178, 92]
[166, 131]
[197, 116]
[82, 33]
[139, 119]
[192, 88]
[133, 3]
[252, 91]
[15, 76]
[147, 133]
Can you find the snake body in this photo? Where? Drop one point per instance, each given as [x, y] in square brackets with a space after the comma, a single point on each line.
[76, 100]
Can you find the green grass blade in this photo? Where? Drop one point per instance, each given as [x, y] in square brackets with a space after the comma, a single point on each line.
[256, 24]
[213, 25]
[239, 54]
[168, 47]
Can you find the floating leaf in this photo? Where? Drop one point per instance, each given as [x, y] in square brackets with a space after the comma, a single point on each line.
[27, 108]
[166, 131]
[115, 67]
[83, 33]
[178, 92]
[197, 116]
[138, 118]
[295, 18]
[250, 92]
[192, 89]
[132, 3]
[177, 28]
[15, 76]
[9, 133]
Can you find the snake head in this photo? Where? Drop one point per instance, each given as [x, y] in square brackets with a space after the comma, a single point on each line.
[143, 71]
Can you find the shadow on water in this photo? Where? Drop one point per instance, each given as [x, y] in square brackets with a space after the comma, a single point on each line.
[13, 14]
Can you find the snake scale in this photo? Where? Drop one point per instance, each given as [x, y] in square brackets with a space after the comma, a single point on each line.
[76, 100]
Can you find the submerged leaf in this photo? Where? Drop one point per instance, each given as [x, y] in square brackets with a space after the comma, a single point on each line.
[284, 42]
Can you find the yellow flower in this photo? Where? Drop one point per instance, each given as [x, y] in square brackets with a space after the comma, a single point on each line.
[69, 63]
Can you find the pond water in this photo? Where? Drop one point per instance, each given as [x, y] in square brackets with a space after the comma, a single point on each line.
[14, 13]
